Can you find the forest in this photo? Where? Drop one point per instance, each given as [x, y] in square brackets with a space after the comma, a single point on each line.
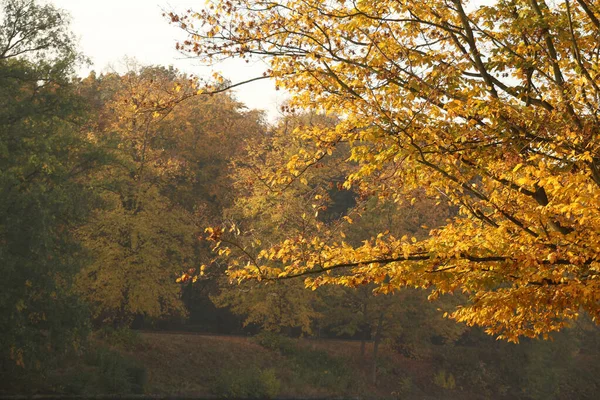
[421, 222]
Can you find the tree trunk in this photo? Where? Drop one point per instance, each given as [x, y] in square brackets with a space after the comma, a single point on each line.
[363, 341]
[376, 341]
[364, 334]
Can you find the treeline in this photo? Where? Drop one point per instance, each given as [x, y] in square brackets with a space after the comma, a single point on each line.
[107, 186]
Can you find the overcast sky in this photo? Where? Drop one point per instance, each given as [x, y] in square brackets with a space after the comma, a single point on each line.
[109, 30]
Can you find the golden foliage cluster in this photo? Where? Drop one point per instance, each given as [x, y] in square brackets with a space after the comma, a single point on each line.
[492, 107]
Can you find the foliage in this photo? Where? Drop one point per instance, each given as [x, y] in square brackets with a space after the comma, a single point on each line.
[211, 133]
[104, 371]
[422, 324]
[309, 365]
[405, 386]
[43, 198]
[275, 307]
[162, 184]
[492, 107]
[275, 341]
[118, 374]
[137, 256]
[140, 239]
[249, 383]
[322, 370]
[122, 337]
[38, 33]
[261, 213]
[444, 380]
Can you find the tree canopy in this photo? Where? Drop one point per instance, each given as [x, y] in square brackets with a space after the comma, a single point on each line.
[43, 197]
[491, 107]
[165, 180]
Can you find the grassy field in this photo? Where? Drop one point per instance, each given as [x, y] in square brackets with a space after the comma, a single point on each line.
[269, 366]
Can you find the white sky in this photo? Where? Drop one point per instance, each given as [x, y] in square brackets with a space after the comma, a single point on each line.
[109, 30]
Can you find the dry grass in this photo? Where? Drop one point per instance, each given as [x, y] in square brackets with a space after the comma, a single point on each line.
[188, 365]
[180, 364]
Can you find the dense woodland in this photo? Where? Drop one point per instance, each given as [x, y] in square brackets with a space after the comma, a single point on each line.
[415, 229]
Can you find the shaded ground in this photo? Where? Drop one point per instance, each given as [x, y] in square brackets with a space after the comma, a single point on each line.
[170, 365]
[193, 365]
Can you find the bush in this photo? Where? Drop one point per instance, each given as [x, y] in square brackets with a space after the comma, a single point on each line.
[444, 381]
[270, 383]
[249, 382]
[321, 369]
[313, 366]
[405, 386]
[275, 341]
[116, 373]
[121, 337]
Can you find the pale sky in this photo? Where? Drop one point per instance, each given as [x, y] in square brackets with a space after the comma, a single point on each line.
[110, 30]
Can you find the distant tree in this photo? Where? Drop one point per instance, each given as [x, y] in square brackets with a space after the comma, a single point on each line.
[279, 307]
[212, 133]
[170, 151]
[404, 318]
[282, 306]
[140, 239]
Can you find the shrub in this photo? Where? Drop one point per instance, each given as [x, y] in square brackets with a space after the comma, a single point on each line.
[117, 373]
[405, 386]
[122, 337]
[314, 366]
[275, 341]
[249, 382]
[444, 381]
[269, 382]
[322, 370]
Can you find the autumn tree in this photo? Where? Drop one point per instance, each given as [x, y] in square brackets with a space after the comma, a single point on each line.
[278, 307]
[492, 106]
[140, 239]
[405, 320]
[168, 178]
[211, 131]
[256, 216]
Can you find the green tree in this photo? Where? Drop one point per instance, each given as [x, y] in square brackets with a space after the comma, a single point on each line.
[43, 197]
